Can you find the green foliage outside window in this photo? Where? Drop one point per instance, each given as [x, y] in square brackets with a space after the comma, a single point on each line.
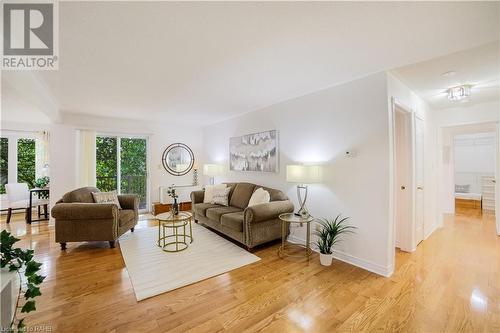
[133, 168]
[26, 161]
[106, 168]
[4, 163]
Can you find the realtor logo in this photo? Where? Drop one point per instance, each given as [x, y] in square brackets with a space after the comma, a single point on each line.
[29, 31]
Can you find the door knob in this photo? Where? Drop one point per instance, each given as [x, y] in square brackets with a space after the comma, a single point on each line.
[403, 187]
[420, 188]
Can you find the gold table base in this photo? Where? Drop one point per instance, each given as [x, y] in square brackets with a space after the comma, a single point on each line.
[172, 234]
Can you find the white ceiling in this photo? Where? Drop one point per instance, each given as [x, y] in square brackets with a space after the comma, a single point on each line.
[207, 61]
[479, 67]
[16, 108]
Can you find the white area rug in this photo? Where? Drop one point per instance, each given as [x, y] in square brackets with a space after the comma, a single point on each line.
[154, 271]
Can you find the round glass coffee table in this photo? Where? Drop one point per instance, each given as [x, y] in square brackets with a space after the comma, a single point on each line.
[173, 231]
[288, 218]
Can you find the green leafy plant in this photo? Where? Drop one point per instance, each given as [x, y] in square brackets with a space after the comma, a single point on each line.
[329, 232]
[21, 261]
[42, 182]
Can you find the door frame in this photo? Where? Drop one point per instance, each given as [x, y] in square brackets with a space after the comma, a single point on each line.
[407, 241]
[497, 168]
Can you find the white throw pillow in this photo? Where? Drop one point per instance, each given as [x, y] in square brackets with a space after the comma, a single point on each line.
[221, 196]
[209, 192]
[106, 198]
[260, 196]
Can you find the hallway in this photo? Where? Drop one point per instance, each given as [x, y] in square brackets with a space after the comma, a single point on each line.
[456, 274]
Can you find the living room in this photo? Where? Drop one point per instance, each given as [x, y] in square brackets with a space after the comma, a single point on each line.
[260, 166]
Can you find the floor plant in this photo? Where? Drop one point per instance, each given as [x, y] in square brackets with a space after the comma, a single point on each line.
[21, 261]
[328, 234]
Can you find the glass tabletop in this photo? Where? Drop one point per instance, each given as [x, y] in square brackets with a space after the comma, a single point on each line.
[169, 217]
[292, 218]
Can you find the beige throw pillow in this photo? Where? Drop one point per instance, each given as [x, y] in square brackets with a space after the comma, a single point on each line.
[260, 196]
[106, 198]
[221, 196]
[209, 192]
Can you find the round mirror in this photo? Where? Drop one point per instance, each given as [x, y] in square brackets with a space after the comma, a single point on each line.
[178, 159]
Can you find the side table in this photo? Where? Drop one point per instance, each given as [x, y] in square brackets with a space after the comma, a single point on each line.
[289, 218]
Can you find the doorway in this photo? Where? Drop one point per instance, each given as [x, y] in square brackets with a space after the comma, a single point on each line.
[474, 173]
[403, 177]
[469, 171]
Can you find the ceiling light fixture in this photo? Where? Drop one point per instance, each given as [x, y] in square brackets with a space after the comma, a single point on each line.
[458, 93]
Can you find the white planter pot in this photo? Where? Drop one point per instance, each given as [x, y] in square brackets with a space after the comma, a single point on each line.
[325, 259]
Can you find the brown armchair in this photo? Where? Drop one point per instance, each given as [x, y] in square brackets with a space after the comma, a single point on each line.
[79, 219]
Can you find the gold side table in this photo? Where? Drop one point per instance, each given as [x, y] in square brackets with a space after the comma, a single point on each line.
[172, 231]
[289, 218]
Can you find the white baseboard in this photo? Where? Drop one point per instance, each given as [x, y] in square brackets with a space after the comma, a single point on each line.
[353, 260]
[433, 228]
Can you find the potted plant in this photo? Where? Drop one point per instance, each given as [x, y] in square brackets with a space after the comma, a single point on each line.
[21, 261]
[328, 233]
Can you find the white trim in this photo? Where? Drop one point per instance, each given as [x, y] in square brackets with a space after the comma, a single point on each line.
[431, 231]
[118, 165]
[352, 260]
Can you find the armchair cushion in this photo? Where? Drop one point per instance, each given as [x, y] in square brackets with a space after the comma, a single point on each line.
[84, 211]
[83, 194]
[267, 211]
[106, 197]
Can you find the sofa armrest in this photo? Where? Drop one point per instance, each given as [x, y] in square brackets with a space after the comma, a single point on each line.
[267, 211]
[129, 201]
[84, 211]
[197, 197]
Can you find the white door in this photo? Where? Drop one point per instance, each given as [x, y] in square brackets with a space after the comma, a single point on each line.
[403, 180]
[419, 180]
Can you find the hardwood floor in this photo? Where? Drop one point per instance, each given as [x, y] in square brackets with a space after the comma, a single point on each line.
[450, 284]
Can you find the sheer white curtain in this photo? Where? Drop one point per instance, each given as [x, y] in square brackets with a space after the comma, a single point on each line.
[86, 158]
[42, 154]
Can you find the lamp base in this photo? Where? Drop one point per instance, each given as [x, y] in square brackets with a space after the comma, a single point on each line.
[303, 212]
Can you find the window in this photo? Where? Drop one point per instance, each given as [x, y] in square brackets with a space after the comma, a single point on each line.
[17, 159]
[4, 163]
[26, 161]
[121, 164]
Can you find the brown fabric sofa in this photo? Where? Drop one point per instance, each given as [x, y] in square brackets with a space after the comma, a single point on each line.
[80, 219]
[250, 226]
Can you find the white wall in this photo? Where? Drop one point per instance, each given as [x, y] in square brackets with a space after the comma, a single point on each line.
[404, 95]
[463, 114]
[474, 156]
[62, 161]
[318, 128]
[160, 134]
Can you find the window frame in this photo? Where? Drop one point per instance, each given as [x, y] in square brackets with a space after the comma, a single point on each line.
[118, 137]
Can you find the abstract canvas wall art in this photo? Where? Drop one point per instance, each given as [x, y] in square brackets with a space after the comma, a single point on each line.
[254, 152]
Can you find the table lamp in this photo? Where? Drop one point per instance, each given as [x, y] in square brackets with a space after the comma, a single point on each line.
[212, 170]
[303, 174]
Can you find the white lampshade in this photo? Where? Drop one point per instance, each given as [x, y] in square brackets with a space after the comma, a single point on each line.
[303, 174]
[212, 170]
